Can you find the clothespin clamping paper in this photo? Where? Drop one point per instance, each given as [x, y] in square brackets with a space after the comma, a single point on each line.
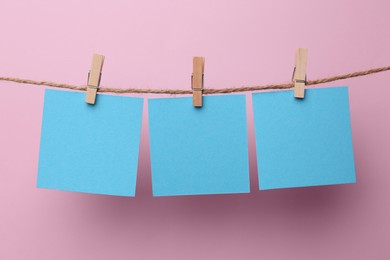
[299, 75]
[94, 78]
[197, 81]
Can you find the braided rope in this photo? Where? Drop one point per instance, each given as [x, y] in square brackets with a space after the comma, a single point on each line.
[205, 91]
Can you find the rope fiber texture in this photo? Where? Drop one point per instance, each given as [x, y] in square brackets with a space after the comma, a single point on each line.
[207, 91]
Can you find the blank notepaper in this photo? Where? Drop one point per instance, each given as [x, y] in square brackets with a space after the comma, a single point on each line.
[87, 148]
[199, 150]
[94, 149]
[303, 142]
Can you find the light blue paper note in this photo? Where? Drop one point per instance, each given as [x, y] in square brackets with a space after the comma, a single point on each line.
[90, 148]
[199, 150]
[303, 142]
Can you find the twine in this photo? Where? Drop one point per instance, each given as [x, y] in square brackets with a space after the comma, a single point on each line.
[205, 91]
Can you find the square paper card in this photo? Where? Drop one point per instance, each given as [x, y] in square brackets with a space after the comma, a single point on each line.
[303, 142]
[90, 148]
[199, 150]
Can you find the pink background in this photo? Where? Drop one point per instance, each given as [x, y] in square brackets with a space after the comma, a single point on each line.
[150, 44]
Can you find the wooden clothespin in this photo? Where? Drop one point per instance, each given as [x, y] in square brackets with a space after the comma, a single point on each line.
[299, 76]
[197, 81]
[94, 78]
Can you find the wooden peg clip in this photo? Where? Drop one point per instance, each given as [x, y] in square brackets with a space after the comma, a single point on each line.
[197, 81]
[94, 78]
[299, 76]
